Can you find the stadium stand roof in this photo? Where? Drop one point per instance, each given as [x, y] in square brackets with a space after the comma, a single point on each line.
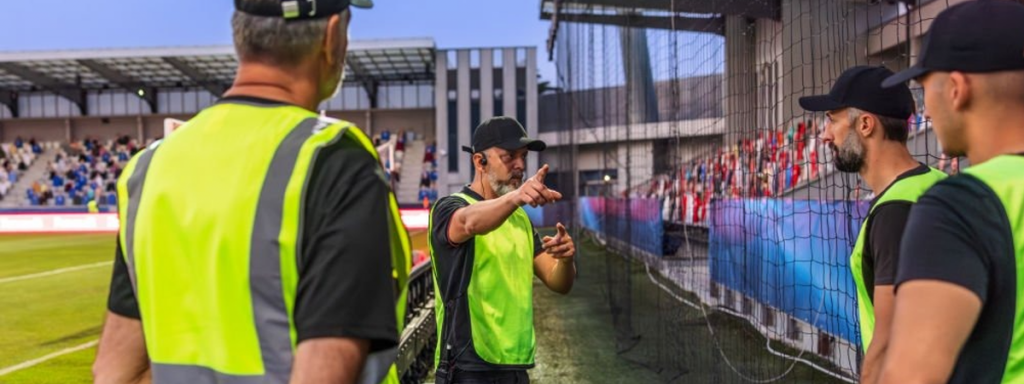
[71, 73]
[688, 15]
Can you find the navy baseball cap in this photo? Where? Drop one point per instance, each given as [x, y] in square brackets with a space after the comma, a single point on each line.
[861, 87]
[975, 37]
[299, 9]
[505, 133]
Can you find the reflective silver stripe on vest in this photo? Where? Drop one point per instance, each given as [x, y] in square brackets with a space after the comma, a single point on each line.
[191, 374]
[269, 310]
[135, 183]
[377, 365]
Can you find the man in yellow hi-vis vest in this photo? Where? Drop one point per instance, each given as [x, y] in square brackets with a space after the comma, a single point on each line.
[485, 253]
[260, 243]
[867, 130]
[960, 282]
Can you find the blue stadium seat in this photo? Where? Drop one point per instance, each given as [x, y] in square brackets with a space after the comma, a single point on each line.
[112, 199]
[59, 200]
[33, 200]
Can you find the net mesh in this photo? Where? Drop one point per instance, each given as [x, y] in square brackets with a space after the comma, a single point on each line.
[725, 227]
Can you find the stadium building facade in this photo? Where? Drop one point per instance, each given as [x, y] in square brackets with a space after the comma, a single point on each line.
[436, 96]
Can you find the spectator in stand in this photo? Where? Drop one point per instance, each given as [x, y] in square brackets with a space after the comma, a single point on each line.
[5, 184]
[400, 148]
[429, 156]
[424, 179]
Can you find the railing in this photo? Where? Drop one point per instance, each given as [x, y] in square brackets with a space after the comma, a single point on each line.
[416, 349]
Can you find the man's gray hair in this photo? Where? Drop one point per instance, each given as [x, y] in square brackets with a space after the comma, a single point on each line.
[274, 39]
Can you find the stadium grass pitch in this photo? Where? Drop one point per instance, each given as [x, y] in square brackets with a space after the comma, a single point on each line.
[53, 291]
[53, 296]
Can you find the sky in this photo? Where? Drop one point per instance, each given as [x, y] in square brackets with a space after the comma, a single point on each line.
[76, 24]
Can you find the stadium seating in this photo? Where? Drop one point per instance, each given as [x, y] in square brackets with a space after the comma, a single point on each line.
[765, 165]
[15, 158]
[83, 171]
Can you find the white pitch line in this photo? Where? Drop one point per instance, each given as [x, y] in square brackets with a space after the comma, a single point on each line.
[54, 272]
[51, 356]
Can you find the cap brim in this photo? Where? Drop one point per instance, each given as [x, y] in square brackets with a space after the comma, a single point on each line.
[525, 142]
[821, 103]
[904, 76]
[365, 4]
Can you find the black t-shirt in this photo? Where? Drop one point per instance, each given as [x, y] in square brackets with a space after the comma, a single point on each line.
[345, 288]
[884, 232]
[454, 263]
[958, 232]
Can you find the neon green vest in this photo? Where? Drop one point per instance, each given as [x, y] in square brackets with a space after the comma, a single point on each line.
[211, 222]
[1005, 176]
[500, 293]
[908, 189]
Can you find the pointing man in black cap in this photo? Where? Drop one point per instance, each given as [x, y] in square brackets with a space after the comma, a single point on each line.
[867, 131]
[485, 254]
[959, 314]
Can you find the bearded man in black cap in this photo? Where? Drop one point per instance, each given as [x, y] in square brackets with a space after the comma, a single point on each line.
[485, 253]
[867, 131]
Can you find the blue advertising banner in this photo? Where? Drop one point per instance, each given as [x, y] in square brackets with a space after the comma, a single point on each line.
[790, 254]
[636, 221]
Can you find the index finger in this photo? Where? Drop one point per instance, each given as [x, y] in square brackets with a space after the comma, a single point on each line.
[541, 174]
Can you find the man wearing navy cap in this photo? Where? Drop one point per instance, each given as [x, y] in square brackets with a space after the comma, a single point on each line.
[260, 242]
[485, 253]
[867, 131]
[959, 314]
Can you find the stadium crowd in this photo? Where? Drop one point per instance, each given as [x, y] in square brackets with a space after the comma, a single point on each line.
[84, 171]
[764, 165]
[15, 158]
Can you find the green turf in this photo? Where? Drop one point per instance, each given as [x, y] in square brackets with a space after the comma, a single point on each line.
[575, 337]
[46, 314]
[27, 254]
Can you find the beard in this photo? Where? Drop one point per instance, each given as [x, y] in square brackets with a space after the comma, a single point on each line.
[504, 187]
[849, 157]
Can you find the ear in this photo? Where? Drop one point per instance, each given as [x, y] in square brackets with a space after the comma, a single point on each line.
[866, 125]
[959, 90]
[335, 42]
[477, 157]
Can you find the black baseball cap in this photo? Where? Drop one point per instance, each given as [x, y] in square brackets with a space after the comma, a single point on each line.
[975, 37]
[861, 87]
[505, 133]
[299, 9]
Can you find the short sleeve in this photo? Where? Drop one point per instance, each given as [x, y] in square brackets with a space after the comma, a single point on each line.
[121, 299]
[441, 217]
[887, 226]
[953, 234]
[346, 288]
